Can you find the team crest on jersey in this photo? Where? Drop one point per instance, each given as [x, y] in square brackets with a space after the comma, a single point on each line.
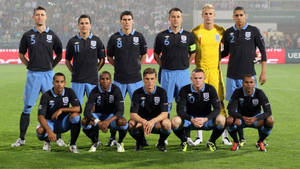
[183, 38]
[65, 100]
[51, 103]
[136, 40]
[191, 98]
[247, 35]
[93, 44]
[49, 38]
[206, 96]
[255, 102]
[111, 98]
[99, 100]
[156, 100]
[241, 100]
[217, 36]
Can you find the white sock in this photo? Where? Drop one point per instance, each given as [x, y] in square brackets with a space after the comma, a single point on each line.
[199, 134]
[225, 134]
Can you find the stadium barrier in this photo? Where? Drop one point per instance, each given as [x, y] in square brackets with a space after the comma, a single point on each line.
[275, 56]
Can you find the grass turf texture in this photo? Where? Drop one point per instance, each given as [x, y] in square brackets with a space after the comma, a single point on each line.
[282, 88]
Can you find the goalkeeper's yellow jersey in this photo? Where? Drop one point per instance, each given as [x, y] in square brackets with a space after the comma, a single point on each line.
[208, 46]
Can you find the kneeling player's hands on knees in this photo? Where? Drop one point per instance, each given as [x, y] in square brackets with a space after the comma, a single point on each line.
[51, 136]
[148, 128]
[102, 127]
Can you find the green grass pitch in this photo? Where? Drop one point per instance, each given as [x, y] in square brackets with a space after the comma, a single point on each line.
[282, 88]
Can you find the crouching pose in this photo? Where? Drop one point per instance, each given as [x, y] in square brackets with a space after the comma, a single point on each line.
[56, 116]
[104, 110]
[245, 111]
[198, 108]
[149, 112]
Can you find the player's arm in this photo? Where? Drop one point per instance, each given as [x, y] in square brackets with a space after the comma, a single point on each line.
[69, 55]
[111, 60]
[198, 51]
[23, 59]
[181, 106]
[73, 109]
[101, 54]
[23, 50]
[111, 50]
[42, 111]
[143, 49]
[233, 105]
[57, 47]
[192, 48]
[90, 105]
[134, 109]
[259, 42]
[265, 105]
[225, 43]
[216, 104]
[158, 47]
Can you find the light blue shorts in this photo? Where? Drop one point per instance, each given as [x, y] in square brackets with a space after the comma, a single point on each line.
[81, 88]
[36, 82]
[173, 80]
[128, 87]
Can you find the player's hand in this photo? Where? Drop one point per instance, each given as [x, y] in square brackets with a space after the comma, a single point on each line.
[102, 127]
[51, 136]
[251, 120]
[56, 114]
[262, 78]
[202, 121]
[105, 124]
[148, 128]
[196, 122]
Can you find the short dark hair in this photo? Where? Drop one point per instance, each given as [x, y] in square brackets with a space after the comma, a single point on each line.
[39, 8]
[59, 74]
[105, 72]
[247, 75]
[126, 13]
[84, 16]
[239, 8]
[197, 70]
[174, 9]
[149, 71]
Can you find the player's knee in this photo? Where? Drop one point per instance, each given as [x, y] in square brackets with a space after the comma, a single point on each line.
[269, 121]
[132, 124]
[176, 122]
[166, 124]
[229, 121]
[40, 130]
[121, 121]
[220, 120]
[75, 118]
[27, 109]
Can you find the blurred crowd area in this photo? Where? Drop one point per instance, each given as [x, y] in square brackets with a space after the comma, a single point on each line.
[150, 17]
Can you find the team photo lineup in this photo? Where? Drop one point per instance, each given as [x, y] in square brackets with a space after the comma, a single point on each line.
[202, 100]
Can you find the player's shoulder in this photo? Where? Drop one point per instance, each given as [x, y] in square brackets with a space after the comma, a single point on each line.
[186, 88]
[137, 33]
[252, 28]
[163, 32]
[69, 91]
[197, 28]
[160, 89]
[219, 28]
[115, 88]
[185, 32]
[259, 91]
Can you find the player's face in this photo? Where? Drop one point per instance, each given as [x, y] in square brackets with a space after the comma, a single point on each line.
[59, 83]
[198, 79]
[248, 85]
[175, 19]
[149, 81]
[39, 17]
[239, 17]
[127, 22]
[208, 16]
[84, 25]
[105, 81]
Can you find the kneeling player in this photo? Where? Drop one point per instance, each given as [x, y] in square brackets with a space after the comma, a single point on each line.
[104, 109]
[149, 112]
[198, 108]
[245, 111]
[56, 116]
